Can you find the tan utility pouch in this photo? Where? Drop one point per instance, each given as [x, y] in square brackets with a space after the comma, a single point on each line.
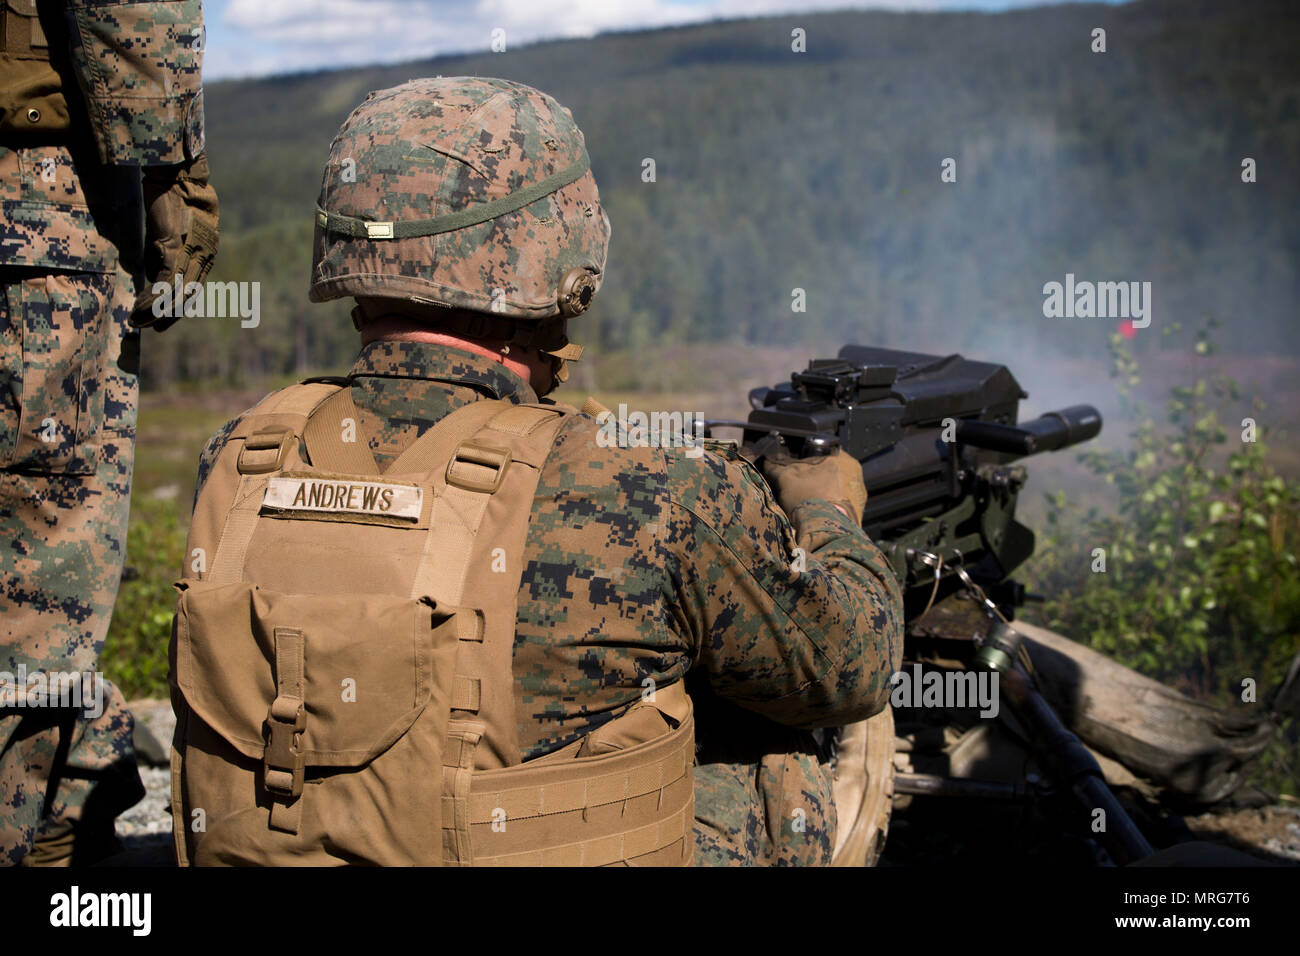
[31, 92]
[288, 697]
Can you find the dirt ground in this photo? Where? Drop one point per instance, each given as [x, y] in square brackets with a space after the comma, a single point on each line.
[1268, 832]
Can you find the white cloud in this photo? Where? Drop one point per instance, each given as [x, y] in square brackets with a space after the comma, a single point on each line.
[255, 37]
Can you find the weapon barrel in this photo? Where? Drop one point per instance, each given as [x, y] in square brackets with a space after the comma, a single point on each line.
[1071, 761]
[1048, 432]
[932, 785]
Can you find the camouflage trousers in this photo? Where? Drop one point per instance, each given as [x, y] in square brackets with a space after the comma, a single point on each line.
[777, 812]
[763, 793]
[68, 397]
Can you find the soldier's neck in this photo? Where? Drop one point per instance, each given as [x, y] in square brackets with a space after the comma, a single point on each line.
[488, 349]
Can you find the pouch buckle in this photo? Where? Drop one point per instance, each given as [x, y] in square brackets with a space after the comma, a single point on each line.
[253, 457]
[470, 456]
[284, 764]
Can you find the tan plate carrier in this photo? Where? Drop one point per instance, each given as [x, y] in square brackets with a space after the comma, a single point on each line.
[341, 660]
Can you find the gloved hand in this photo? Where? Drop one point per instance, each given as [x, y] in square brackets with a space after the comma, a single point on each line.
[836, 478]
[181, 235]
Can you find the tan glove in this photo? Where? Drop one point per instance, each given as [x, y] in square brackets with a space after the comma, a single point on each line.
[836, 478]
[181, 235]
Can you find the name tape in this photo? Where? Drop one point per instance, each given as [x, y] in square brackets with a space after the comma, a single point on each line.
[344, 497]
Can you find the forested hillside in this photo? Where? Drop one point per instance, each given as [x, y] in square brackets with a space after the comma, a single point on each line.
[778, 170]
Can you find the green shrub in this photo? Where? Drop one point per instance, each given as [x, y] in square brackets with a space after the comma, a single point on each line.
[135, 653]
[1201, 588]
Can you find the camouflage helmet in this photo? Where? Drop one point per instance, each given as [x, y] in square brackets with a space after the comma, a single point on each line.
[467, 193]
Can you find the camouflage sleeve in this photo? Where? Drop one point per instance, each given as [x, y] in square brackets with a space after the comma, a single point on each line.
[209, 457]
[138, 65]
[804, 629]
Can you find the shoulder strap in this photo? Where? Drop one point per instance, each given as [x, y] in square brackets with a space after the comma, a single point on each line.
[432, 450]
[226, 511]
[469, 455]
[323, 434]
[295, 401]
[473, 560]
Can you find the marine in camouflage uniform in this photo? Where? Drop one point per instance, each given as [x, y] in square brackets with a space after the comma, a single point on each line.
[643, 566]
[101, 119]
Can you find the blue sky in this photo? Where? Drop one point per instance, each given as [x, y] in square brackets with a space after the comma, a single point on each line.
[257, 37]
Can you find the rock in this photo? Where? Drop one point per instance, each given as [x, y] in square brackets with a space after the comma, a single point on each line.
[165, 492]
[148, 750]
[145, 830]
[154, 724]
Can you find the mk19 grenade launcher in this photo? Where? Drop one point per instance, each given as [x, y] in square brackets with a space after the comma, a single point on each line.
[937, 437]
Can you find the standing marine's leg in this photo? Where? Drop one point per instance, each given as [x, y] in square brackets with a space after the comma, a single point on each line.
[68, 397]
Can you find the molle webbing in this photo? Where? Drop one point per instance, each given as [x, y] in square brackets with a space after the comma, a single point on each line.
[21, 34]
[634, 808]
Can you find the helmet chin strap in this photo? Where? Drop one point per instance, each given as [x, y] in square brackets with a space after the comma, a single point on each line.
[571, 352]
[549, 338]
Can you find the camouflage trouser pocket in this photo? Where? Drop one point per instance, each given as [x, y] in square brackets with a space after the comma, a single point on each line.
[54, 345]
